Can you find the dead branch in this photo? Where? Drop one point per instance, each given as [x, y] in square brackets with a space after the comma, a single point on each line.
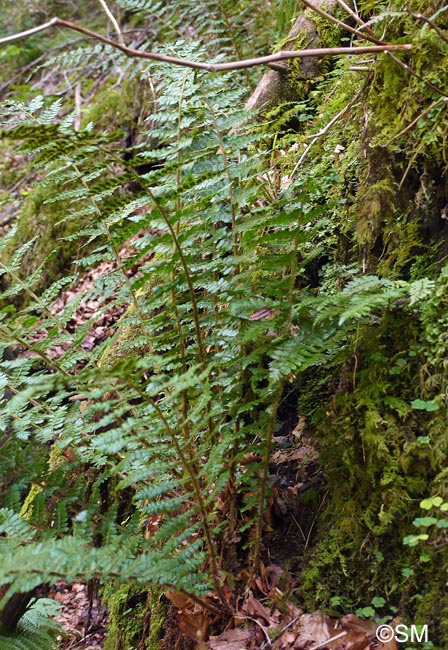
[198, 65]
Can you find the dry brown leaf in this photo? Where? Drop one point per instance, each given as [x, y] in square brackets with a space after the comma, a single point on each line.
[316, 627]
[239, 639]
[269, 579]
[179, 599]
[194, 624]
[264, 314]
[253, 607]
[354, 624]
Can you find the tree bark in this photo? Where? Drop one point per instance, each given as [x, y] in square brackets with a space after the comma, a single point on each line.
[285, 82]
[14, 609]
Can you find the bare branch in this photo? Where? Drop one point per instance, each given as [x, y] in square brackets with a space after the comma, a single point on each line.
[336, 21]
[417, 76]
[419, 117]
[375, 40]
[29, 32]
[355, 16]
[198, 65]
[430, 23]
[315, 137]
[112, 19]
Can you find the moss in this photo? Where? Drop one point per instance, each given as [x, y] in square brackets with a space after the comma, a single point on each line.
[117, 107]
[380, 456]
[135, 617]
[49, 250]
[158, 614]
[26, 511]
[329, 33]
[378, 466]
[432, 601]
[124, 345]
[125, 341]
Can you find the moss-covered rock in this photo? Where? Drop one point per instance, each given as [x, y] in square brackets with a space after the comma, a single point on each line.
[381, 455]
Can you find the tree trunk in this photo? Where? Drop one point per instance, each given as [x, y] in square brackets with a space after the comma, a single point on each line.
[288, 81]
[14, 609]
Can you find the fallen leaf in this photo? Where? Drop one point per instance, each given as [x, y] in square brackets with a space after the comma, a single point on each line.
[238, 639]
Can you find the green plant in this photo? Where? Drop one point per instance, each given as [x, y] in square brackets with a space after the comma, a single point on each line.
[433, 524]
[161, 424]
[128, 462]
[37, 629]
[174, 424]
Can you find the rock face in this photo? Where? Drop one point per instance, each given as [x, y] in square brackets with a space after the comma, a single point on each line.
[278, 86]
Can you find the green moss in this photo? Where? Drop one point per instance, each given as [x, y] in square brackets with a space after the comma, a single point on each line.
[49, 250]
[135, 617]
[124, 345]
[378, 466]
[26, 511]
[117, 107]
[329, 33]
[126, 341]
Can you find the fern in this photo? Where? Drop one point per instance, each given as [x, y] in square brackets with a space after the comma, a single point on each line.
[218, 321]
[37, 630]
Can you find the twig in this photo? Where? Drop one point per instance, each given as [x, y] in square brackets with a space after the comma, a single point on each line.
[286, 627]
[429, 22]
[210, 67]
[336, 21]
[267, 643]
[374, 40]
[298, 526]
[356, 17]
[416, 75]
[327, 641]
[422, 114]
[409, 166]
[112, 19]
[323, 131]
[78, 107]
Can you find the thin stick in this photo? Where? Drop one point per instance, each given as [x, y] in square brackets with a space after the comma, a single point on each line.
[409, 126]
[286, 627]
[210, 67]
[429, 22]
[78, 107]
[327, 641]
[315, 137]
[416, 75]
[336, 21]
[112, 19]
[374, 40]
[265, 632]
[356, 17]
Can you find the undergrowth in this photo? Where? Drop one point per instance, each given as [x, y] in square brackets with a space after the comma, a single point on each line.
[145, 460]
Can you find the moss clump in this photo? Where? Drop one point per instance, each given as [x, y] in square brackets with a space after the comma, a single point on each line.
[381, 456]
[135, 618]
[118, 107]
[50, 251]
